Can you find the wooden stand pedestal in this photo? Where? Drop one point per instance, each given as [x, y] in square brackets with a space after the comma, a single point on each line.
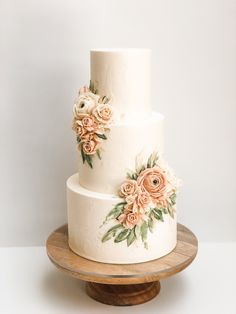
[128, 284]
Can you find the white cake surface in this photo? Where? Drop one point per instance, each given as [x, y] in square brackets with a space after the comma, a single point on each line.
[121, 205]
[86, 213]
[124, 76]
[125, 141]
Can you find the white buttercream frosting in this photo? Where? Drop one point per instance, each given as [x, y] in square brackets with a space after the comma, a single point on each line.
[118, 154]
[123, 75]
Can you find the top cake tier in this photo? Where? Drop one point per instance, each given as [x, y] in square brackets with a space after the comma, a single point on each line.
[123, 75]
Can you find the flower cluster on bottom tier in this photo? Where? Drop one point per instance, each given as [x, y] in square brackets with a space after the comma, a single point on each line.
[86, 212]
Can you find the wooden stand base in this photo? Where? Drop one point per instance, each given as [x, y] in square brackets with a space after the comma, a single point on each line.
[116, 284]
[123, 294]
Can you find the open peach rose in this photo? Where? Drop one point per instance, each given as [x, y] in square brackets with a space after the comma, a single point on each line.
[103, 113]
[78, 128]
[153, 181]
[129, 187]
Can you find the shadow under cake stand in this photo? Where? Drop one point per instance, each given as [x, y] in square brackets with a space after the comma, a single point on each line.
[126, 284]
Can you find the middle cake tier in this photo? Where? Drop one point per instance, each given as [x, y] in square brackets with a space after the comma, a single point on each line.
[125, 142]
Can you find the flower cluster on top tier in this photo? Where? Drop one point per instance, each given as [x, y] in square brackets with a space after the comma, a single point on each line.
[92, 119]
[148, 194]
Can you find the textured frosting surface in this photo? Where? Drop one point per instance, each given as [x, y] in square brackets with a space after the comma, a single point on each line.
[125, 141]
[86, 212]
[124, 76]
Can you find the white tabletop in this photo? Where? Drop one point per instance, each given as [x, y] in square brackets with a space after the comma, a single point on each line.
[29, 283]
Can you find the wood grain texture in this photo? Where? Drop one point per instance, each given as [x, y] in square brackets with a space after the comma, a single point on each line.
[79, 267]
[123, 294]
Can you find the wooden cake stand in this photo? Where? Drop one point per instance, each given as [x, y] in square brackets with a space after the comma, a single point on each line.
[127, 284]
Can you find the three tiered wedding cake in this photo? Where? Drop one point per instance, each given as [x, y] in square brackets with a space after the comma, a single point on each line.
[121, 203]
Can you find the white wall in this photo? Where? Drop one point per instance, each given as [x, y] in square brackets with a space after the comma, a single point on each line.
[45, 57]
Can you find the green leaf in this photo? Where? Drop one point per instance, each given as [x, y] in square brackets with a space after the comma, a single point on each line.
[78, 139]
[88, 158]
[103, 136]
[137, 231]
[114, 228]
[152, 160]
[111, 232]
[151, 225]
[144, 230]
[114, 213]
[91, 87]
[83, 155]
[165, 211]
[121, 204]
[145, 245]
[170, 211]
[107, 236]
[131, 237]
[105, 99]
[157, 214]
[122, 235]
[132, 175]
[99, 154]
[173, 198]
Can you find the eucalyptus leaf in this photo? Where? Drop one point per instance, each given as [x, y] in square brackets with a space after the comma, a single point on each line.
[78, 139]
[88, 158]
[107, 236]
[122, 235]
[83, 155]
[99, 154]
[144, 230]
[137, 231]
[103, 136]
[131, 237]
[173, 198]
[151, 225]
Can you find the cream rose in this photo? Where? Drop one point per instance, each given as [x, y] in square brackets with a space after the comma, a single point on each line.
[84, 104]
[103, 113]
[153, 181]
[129, 187]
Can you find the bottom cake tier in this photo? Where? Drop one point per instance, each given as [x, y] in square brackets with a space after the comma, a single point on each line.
[87, 211]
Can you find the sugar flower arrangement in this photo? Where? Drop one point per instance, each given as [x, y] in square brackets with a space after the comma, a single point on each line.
[91, 122]
[148, 194]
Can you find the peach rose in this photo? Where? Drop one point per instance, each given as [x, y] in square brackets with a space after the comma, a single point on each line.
[129, 187]
[89, 124]
[103, 113]
[153, 181]
[129, 219]
[90, 136]
[143, 200]
[89, 147]
[78, 128]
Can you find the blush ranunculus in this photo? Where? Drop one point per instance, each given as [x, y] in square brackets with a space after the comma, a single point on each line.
[153, 181]
[129, 187]
[103, 113]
